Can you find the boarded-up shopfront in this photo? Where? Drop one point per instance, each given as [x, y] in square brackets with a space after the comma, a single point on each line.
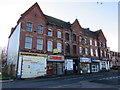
[31, 65]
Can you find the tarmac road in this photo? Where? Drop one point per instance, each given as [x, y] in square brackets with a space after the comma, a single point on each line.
[96, 80]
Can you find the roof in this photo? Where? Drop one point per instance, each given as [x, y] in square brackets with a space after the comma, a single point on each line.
[57, 22]
[91, 33]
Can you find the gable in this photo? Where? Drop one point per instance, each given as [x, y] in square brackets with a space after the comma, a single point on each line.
[101, 37]
[76, 26]
[34, 14]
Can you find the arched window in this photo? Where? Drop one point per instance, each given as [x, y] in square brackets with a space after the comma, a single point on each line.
[67, 48]
[74, 37]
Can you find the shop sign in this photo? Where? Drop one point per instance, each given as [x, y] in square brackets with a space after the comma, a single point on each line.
[105, 59]
[55, 50]
[55, 58]
[33, 54]
[95, 60]
[69, 64]
[85, 59]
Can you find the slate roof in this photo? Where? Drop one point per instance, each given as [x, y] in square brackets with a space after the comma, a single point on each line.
[91, 33]
[57, 22]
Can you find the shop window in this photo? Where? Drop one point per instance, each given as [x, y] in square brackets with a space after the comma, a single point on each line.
[74, 49]
[67, 48]
[29, 27]
[59, 47]
[28, 42]
[67, 36]
[49, 32]
[59, 34]
[94, 68]
[40, 30]
[50, 46]
[74, 37]
[39, 44]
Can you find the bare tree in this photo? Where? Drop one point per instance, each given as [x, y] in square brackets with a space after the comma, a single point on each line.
[3, 56]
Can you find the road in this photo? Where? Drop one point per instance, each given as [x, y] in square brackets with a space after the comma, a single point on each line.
[95, 80]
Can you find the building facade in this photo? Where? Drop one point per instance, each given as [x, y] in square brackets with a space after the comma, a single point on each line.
[42, 45]
[115, 60]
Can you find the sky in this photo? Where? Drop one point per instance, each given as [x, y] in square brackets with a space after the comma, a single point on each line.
[90, 15]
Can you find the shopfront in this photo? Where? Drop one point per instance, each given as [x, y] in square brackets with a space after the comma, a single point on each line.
[85, 64]
[55, 65]
[95, 65]
[104, 65]
[68, 66]
[31, 65]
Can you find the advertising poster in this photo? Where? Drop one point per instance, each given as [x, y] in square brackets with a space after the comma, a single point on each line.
[69, 64]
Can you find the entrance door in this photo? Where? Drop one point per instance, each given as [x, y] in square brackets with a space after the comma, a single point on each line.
[59, 68]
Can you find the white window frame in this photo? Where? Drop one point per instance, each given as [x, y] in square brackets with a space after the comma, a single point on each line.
[59, 34]
[96, 52]
[28, 27]
[59, 47]
[91, 51]
[28, 43]
[49, 46]
[86, 51]
[101, 53]
[40, 44]
[40, 30]
[80, 48]
[49, 30]
[90, 41]
[105, 53]
[95, 43]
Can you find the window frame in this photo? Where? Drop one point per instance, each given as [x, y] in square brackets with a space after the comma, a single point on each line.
[40, 29]
[67, 36]
[49, 46]
[59, 34]
[50, 34]
[28, 42]
[39, 44]
[29, 26]
[59, 47]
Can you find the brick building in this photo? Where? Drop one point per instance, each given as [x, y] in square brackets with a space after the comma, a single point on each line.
[43, 45]
[115, 59]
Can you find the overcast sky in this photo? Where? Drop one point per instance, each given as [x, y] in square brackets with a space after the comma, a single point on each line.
[90, 15]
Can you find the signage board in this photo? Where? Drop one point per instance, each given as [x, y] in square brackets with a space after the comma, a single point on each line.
[85, 59]
[69, 64]
[95, 60]
[32, 54]
[55, 58]
[55, 50]
[33, 66]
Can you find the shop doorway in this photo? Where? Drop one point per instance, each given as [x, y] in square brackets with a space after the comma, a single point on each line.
[55, 68]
